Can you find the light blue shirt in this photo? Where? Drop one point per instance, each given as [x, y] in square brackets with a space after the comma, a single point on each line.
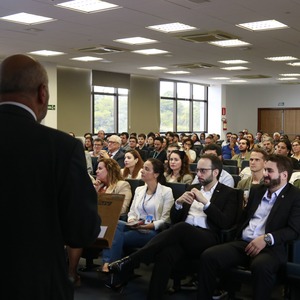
[257, 224]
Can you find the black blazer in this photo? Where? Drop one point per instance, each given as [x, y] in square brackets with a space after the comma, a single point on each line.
[221, 213]
[162, 156]
[47, 201]
[119, 157]
[284, 219]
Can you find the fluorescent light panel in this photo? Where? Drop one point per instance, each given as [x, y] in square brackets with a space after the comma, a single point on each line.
[87, 6]
[281, 58]
[153, 68]
[150, 51]
[46, 53]
[178, 72]
[86, 58]
[233, 61]
[238, 81]
[230, 43]
[28, 19]
[294, 64]
[237, 68]
[262, 25]
[171, 27]
[136, 41]
[287, 78]
[290, 74]
[220, 78]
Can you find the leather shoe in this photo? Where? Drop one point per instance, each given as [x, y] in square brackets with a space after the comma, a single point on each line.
[122, 265]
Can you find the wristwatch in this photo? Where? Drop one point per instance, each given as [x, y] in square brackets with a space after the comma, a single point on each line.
[268, 239]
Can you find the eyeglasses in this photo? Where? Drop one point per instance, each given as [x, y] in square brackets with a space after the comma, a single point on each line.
[203, 170]
[111, 142]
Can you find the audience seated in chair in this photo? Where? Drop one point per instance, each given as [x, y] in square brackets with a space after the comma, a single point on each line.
[198, 216]
[109, 180]
[148, 215]
[270, 220]
[133, 165]
[225, 177]
[258, 159]
[178, 168]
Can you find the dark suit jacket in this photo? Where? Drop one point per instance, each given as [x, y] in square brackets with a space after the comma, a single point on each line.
[119, 157]
[47, 201]
[284, 219]
[221, 213]
[162, 156]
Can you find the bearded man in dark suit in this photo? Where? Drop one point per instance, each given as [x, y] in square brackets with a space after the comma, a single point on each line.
[47, 200]
[269, 221]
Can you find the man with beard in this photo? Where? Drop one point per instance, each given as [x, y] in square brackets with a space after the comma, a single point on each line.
[198, 216]
[269, 221]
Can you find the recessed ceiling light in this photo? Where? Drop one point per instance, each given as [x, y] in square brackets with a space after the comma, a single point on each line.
[220, 78]
[171, 27]
[288, 78]
[233, 61]
[28, 19]
[178, 72]
[153, 68]
[237, 68]
[150, 51]
[294, 64]
[281, 58]
[290, 74]
[237, 80]
[136, 41]
[263, 25]
[86, 58]
[229, 43]
[87, 6]
[46, 53]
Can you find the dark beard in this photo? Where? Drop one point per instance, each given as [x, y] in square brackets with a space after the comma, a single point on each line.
[206, 181]
[272, 182]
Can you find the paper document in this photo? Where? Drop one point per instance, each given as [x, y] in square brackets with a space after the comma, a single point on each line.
[102, 232]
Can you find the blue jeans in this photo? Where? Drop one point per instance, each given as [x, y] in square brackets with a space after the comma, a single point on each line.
[126, 238]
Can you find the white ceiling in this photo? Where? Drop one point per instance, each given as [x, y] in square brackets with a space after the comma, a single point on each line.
[74, 30]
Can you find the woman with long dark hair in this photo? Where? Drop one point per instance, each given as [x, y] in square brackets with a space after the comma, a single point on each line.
[148, 214]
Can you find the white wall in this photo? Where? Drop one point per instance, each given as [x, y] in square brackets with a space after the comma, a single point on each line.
[51, 117]
[242, 103]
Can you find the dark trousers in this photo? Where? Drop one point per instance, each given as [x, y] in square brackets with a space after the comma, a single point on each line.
[218, 259]
[168, 248]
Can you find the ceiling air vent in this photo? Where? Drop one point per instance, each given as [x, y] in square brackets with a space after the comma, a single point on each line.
[102, 50]
[198, 65]
[207, 37]
[253, 76]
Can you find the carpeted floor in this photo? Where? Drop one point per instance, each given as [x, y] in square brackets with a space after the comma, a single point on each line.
[93, 288]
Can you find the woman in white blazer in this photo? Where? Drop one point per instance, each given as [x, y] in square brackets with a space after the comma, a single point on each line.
[148, 214]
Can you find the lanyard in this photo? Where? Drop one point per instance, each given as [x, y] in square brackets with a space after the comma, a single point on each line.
[144, 200]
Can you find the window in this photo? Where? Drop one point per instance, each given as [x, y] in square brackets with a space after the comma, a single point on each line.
[110, 109]
[183, 106]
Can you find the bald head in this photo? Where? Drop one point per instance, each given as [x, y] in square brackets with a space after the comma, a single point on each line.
[24, 80]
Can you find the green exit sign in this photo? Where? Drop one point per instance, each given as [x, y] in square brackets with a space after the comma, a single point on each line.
[51, 106]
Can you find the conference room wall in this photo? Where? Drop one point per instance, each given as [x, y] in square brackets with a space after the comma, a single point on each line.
[74, 111]
[242, 103]
[74, 100]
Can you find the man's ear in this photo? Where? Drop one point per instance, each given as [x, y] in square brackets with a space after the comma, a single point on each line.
[43, 93]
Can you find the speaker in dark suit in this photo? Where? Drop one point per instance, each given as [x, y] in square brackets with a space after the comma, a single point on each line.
[47, 198]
